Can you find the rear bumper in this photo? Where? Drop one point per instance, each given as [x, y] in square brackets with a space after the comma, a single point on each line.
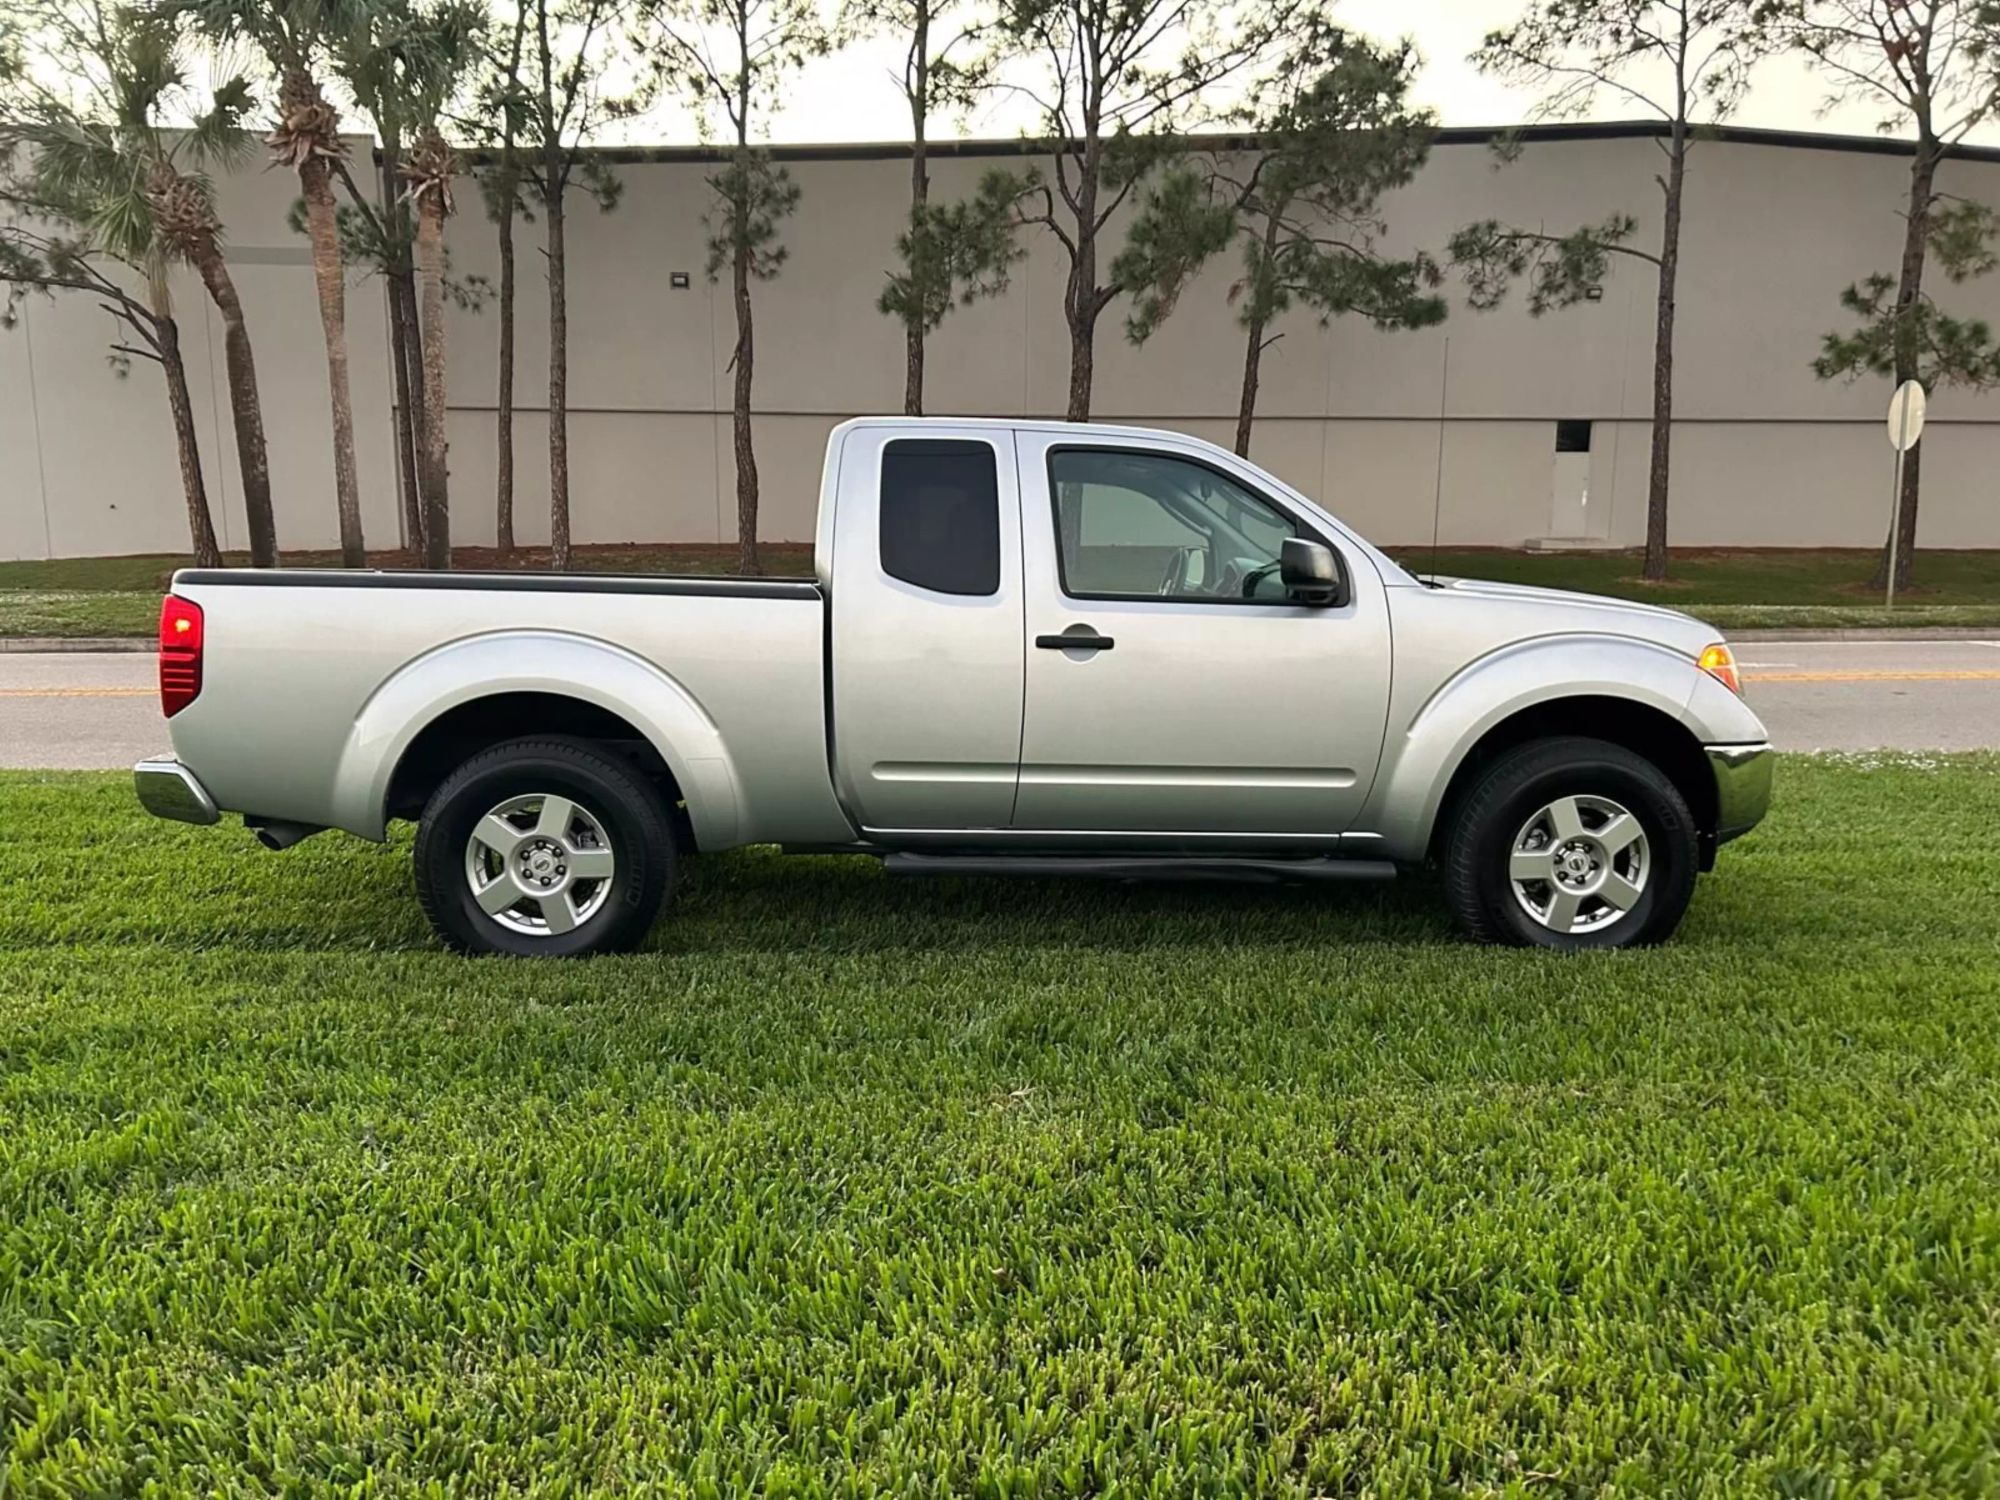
[168, 789]
[1742, 787]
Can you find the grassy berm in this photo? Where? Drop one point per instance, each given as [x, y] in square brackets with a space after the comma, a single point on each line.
[1788, 589]
[854, 1186]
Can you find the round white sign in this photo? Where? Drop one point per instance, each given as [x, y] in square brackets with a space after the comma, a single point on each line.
[1906, 416]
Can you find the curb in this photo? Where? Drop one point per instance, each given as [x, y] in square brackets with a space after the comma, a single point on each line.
[77, 643]
[1862, 634]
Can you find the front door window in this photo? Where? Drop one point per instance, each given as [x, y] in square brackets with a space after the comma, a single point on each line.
[1133, 525]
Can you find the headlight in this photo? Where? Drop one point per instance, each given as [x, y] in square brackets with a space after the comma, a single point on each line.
[1720, 663]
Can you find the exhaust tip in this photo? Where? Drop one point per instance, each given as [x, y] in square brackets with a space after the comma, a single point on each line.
[277, 835]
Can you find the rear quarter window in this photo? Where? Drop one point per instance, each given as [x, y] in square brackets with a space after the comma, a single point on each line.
[940, 515]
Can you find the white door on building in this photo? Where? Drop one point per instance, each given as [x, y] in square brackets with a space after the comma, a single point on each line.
[1569, 492]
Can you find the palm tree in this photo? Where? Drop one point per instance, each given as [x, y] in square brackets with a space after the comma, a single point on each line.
[501, 99]
[430, 172]
[405, 67]
[184, 217]
[294, 37]
[99, 158]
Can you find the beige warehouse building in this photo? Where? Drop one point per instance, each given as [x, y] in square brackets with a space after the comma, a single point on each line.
[1470, 416]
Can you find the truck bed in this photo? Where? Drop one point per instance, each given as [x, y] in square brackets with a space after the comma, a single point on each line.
[708, 585]
[329, 667]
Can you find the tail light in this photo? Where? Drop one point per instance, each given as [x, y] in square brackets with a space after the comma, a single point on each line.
[1720, 663]
[180, 653]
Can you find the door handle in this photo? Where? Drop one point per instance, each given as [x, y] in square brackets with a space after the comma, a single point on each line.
[1076, 638]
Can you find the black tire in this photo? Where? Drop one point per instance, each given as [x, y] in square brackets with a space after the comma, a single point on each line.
[621, 803]
[1480, 843]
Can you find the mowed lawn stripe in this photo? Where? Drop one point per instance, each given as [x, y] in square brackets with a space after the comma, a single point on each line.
[852, 1184]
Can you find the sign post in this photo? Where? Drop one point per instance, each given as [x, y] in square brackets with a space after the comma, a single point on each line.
[1906, 426]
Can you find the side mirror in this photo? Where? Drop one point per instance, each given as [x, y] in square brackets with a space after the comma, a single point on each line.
[1310, 572]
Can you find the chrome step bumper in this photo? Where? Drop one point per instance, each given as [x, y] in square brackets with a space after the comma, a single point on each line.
[1742, 787]
[168, 789]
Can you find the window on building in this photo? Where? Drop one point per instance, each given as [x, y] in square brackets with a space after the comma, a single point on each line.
[1573, 436]
[940, 522]
[1146, 526]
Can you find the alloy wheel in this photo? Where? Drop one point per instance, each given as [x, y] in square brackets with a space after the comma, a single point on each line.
[1580, 864]
[540, 864]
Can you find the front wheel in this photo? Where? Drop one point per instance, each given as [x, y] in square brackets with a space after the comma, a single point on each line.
[543, 848]
[1571, 843]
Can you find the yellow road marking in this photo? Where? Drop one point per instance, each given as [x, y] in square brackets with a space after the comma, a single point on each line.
[116, 692]
[1888, 676]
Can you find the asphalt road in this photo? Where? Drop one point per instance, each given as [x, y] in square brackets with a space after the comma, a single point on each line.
[78, 710]
[1869, 695]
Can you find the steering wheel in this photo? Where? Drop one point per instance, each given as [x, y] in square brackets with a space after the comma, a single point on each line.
[1174, 580]
[1236, 581]
[1255, 576]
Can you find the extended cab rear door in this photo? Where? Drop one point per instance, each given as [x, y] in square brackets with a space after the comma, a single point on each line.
[927, 627]
[1197, 700]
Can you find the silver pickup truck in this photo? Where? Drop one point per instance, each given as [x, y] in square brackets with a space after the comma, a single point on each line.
[1031, 648]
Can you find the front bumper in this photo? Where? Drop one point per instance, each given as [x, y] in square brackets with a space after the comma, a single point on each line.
[168, 789]
[1742, 787]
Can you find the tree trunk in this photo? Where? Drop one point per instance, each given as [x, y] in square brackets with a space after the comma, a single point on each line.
[430, 258]
[510, 177]
[402, 329]
[503, 437]
[745, 364]
[1906, 524]
[745, 360]
[1246, 405]
[406, 432]
[1081, 302]
[1659, 476]
[913, 370]
[322, 227]
[403, 281]
[1909, 290]
[1082, 318]
[558, 383]
[201, 523]
[1261, 272]
[920, 193]
[245, 411]
[555, 175]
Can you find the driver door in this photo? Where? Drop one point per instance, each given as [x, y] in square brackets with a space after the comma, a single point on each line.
[1198, 699]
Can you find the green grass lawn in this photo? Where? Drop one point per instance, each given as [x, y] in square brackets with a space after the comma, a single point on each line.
[1803, 589]
[73, 613]
[1827, 577]
[150, 572]
[1002, 1189]
[1732, 590]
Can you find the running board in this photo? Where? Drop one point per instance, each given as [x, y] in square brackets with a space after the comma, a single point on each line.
[1141, 867]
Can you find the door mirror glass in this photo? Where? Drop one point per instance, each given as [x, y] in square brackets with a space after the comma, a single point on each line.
[1310, 572]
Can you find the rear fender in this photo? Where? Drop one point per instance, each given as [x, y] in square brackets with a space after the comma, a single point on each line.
[537, 661]
[1419, 764]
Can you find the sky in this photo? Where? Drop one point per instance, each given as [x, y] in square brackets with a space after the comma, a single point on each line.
[849, 96]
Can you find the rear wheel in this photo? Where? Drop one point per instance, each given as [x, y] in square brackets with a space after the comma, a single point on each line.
[543, 848]
[1571, 843]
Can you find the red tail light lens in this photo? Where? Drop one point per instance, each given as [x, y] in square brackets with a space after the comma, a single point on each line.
[180, 653]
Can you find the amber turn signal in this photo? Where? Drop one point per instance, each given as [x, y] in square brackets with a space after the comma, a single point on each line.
[1720, 663]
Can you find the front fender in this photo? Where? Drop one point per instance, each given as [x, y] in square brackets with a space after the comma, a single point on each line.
[1418, 764]
[537, 661]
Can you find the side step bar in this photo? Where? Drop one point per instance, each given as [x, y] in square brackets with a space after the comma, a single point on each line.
[1141, 867]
